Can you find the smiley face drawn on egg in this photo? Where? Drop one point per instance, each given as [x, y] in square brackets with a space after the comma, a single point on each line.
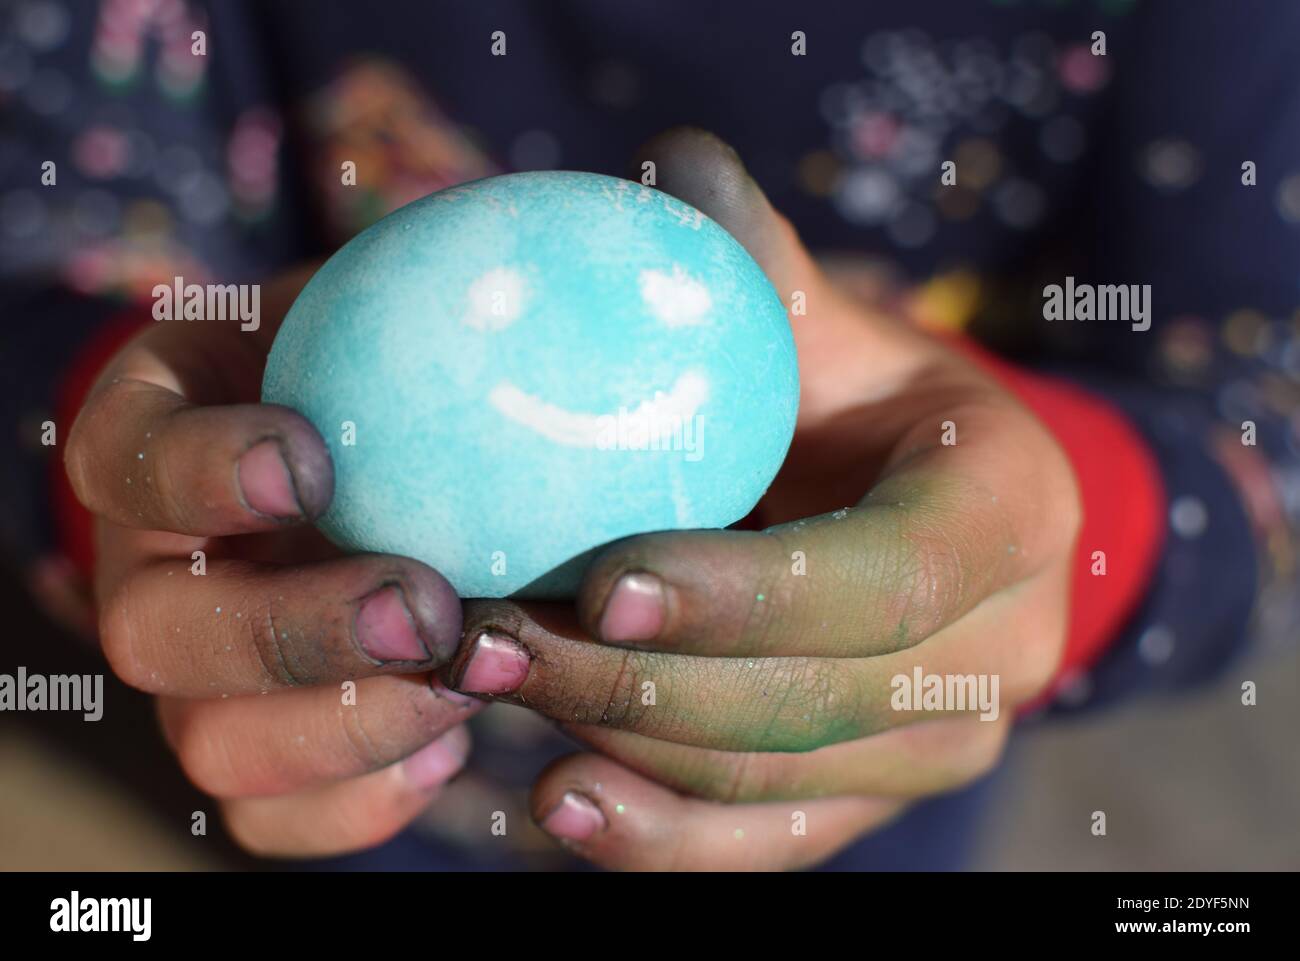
[498, 297]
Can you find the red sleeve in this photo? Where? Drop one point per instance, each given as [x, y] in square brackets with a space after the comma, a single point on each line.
[1124, 505]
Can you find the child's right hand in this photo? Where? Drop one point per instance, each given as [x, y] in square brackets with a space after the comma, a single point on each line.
[174, 455]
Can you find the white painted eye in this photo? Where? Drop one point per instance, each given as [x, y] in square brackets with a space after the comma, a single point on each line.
[496, 299]
[676, 299]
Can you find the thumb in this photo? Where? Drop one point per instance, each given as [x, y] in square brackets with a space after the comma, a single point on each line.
[703, 170]
[831, 332]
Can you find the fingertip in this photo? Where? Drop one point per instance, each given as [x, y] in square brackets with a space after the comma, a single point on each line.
[600, 583]
[635, 610]
[387, 630]
[676, 150]
[434, 607]
[433, 765]
[494, 664]
[568, 803]
[576, 819]
[604, 812]
[305, 457]
[636, 592]
[266, 482]
[701, 168]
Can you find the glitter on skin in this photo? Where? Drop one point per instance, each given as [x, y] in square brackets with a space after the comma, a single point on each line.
[739, 834]
[619, 809]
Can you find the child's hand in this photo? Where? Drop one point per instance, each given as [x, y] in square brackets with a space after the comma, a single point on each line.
[174, 455]
[720, 645]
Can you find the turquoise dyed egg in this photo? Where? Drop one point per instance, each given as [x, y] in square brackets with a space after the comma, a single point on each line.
[513, 372]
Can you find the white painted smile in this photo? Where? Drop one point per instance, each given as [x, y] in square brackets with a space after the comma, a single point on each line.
[662, 413]
[497, 298]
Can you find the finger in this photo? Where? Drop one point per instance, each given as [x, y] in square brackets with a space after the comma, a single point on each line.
[349, 815]
[620, 820]
[141, 455]
[875, 579]
[905, 763]
[262, 746]
[248, 628]
[544, 661]
[537, 656]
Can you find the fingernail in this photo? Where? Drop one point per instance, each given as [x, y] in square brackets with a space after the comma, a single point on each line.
[457, 698]
[436, 763]
[575, 818]
[497, 665]
[386, 629]
[635, 609]
[266, 483]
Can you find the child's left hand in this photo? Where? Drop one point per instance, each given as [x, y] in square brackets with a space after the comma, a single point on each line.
[755, 668]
